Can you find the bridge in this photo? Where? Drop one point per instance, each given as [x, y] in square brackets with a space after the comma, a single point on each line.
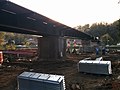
[17, 19]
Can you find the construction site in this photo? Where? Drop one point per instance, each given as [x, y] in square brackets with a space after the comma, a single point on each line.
[84, 81]
[65, 59]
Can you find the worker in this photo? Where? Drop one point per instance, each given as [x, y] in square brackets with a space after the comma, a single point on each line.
[97, 51]
[103, 51]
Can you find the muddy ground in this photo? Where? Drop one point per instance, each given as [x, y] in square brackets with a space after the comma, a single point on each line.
[68, 67]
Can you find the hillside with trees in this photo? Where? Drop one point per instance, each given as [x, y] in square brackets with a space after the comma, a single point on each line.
[106, 32]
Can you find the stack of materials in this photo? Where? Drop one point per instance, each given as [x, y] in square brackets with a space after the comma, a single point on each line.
[96, 66]
[39, 81]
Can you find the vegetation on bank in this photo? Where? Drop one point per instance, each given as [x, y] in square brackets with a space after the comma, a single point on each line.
[107, 33]
[11, 41]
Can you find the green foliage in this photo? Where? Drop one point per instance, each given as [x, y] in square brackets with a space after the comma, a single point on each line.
[10, 46]
[100, 29]
[83, 28]
[2, 35]
[119, 26]
[107, 39]
[8, 41]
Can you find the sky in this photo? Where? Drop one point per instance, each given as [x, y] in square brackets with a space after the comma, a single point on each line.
[75, 12]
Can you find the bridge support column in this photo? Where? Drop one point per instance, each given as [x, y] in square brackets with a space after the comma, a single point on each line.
[51, 48]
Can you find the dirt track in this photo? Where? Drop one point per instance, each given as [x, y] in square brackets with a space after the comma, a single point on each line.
[68, 68]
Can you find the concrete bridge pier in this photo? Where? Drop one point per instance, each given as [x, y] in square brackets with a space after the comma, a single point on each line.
[51, 48]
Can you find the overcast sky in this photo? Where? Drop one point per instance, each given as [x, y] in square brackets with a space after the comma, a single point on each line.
[75, 12]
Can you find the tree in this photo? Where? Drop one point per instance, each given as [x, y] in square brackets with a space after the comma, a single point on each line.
[78, 27]
[119, 26]
[83, 28]
[107, 39]
[9, 36]
[102, 28]
[10, 45]
[2, 35]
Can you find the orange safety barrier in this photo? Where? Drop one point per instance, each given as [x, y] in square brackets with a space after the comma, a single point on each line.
[1, 57]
